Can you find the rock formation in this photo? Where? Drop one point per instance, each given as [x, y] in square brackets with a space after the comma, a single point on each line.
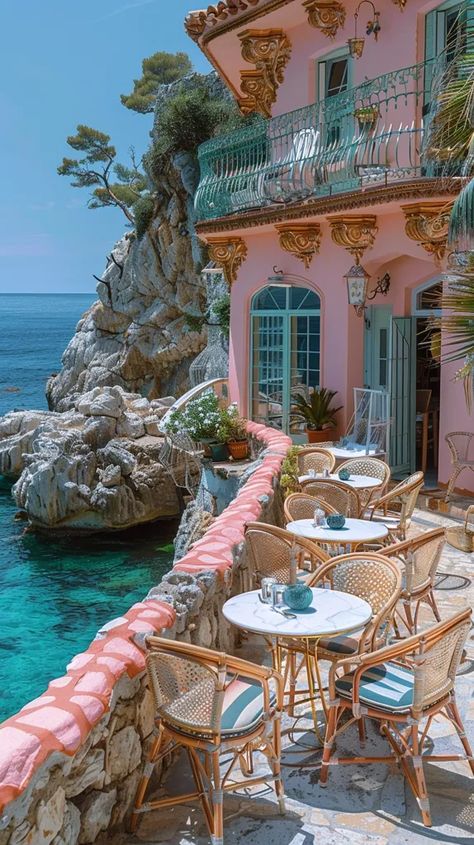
[92, 468]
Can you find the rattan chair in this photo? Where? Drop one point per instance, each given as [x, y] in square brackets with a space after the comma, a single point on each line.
[460, 444]
[395, 509]
[399, 687]
[211, 704]
[340, 496]
[302, 506]
[372, 467]
[420, 557]
[369, 576]
[272, 552]
[318, 460]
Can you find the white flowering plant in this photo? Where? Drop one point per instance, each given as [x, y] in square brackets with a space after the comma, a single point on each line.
[201, 419]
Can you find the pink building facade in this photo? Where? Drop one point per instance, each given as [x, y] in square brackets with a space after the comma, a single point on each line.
[334, 173]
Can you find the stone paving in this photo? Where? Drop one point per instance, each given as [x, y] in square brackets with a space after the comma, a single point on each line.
[362, 805]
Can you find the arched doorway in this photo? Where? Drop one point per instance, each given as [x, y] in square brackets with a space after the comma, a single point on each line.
[285, 344]
[425, 305]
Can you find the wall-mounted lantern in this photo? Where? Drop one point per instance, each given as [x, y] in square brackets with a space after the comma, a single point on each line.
[357, 282]
[356, 44]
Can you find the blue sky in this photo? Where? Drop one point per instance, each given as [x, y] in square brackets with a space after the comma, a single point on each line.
[64, 63]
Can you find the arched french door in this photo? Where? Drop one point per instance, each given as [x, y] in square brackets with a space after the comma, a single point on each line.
[285, 342]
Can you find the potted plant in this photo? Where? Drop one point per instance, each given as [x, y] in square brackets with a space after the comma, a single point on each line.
[201, 420]
[233, 431]
[319, 413]
[367, 116]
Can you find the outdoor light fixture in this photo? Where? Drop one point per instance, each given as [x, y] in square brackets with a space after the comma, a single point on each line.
[382, 286]
[356, 44]
[278, 276]
[357, 281]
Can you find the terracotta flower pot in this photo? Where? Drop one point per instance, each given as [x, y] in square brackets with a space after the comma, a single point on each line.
[238, 449]
[320, 435]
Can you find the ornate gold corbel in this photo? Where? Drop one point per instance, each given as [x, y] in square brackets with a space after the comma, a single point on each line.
[355, 234]
[428, 223]
[269, 50]
[300, 239]
[228, 253]
[326, 15]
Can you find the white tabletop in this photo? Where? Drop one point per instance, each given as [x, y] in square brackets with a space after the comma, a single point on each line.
[357, 481]
[341, 452]
[354, 531]
[330, 613]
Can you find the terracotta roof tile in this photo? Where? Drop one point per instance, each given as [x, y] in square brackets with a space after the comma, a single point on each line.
[197, 22]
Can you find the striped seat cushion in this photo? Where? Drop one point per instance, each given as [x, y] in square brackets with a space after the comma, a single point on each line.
[243, 706]
[339, 645]
[388, 687]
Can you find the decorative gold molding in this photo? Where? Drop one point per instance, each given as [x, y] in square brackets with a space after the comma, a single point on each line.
[418, 189]
[228, 253]
[355, 234]
[400, 3]
[428, 223]
[269, 50]
[326, 15]
[300, 239]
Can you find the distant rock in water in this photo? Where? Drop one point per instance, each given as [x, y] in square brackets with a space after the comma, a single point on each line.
[93, 468]
[136, 336]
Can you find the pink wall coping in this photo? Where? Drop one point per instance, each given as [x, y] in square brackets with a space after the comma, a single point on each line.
[63, 716]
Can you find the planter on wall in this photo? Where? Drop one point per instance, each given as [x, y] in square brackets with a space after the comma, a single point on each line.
[320, 435]
[238, 449]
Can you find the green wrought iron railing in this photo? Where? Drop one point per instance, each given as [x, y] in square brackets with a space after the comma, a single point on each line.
[367, 136]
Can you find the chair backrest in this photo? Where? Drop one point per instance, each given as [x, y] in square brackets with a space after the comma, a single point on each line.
[272, 552]
[315, 459]
[372, 467]
[423, 399]
[459, 443]
[372, 577]
[337, 494]
[302, 506]
[420, 556]
[403, 497]
[187, 684]
[438, 656]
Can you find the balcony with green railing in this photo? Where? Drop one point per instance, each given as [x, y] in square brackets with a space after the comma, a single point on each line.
[366, 137]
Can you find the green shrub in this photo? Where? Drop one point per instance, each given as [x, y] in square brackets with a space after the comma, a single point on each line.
[190, 118]
[143, 212]
[221, 309]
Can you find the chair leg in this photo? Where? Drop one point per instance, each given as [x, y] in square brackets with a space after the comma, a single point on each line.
[430, 598]
[362, 733]
[409, 617]
[145, 779]
[452, 481]
[276, 766]
[421, 791]
[331, 726]
[217, 835]
[453, 712]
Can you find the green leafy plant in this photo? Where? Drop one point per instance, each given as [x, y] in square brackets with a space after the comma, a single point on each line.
[318, 411]
[143, 211]
[233, 427]
[159, 69]
[289, 481]
[190, 118]
[221, 309]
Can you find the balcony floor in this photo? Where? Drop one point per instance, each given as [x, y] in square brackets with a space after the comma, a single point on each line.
[362, 805]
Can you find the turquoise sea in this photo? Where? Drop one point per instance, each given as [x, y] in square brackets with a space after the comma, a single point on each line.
[54, 594]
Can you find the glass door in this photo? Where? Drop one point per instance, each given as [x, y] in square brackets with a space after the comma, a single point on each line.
[285, 354]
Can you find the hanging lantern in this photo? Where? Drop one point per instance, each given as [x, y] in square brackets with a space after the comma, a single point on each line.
[356, 44]
[357, 283]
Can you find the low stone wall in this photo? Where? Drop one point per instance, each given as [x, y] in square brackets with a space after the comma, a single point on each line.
[70, 761]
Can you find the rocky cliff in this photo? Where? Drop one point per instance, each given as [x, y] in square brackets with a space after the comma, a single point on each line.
[136, 336]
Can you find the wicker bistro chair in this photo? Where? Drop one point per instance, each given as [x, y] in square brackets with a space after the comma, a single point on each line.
[420, 557]
[209, 704]
[318, 460]
[272, 552]
[461, 446]
[337, 494]
[395, 509]
[400, 687]
[372, 467]
[302, 506]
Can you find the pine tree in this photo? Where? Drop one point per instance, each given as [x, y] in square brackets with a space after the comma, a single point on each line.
[159, 69]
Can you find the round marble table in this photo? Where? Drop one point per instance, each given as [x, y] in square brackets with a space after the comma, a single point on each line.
[331, 613]
[358, 482]
[355, 531]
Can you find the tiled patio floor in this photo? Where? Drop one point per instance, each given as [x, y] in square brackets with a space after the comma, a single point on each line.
[362, 805]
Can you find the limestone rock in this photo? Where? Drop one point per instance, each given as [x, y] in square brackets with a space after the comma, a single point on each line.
[49, 817]
[125, 752]
[101, 403]
[96, 811]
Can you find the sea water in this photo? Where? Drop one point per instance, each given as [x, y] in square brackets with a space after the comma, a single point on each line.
[54, 594]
